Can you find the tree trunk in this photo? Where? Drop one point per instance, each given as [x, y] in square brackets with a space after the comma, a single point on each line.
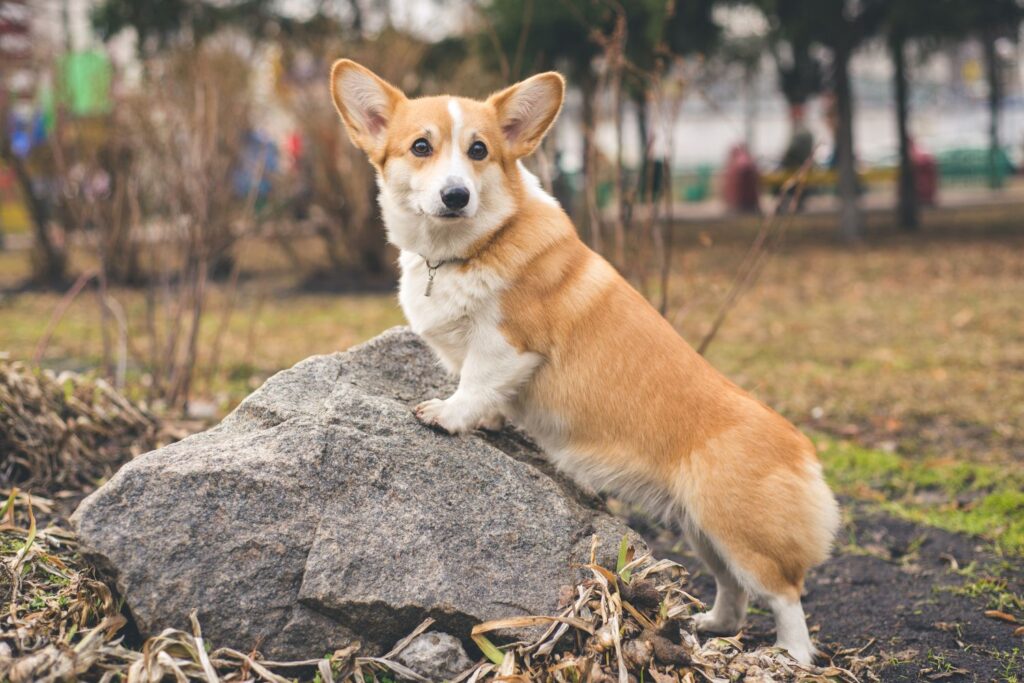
[590, 214]
[619, 225]
[49, 262]
[907, 211]
[750, 70]
[988, 41]
[850, 219]
[644, 189]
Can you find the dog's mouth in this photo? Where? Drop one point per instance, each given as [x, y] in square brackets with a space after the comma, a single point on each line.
[443, 213]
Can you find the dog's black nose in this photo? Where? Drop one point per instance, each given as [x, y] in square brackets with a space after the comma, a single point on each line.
[455, 196]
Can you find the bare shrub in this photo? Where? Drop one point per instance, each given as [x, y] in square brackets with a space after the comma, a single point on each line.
[66, 431]
[160, 198]
[191, 139]
[189, 123]
[337, 187]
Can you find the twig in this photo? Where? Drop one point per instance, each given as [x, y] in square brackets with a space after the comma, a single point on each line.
[750, 267]
[524, 32]
[58, 312]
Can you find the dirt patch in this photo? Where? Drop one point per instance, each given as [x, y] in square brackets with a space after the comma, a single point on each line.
[914, 597]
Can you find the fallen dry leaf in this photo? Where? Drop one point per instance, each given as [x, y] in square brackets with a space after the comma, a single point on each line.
[1001, 616]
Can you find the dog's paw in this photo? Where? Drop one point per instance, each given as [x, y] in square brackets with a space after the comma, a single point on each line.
[710, 622]
[494, 423]
[804, 653]
[439, 414]
[453, 418]
[430, 413]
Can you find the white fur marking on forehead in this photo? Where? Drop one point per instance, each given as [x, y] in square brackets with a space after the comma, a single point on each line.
[456, 113]
[458, 166]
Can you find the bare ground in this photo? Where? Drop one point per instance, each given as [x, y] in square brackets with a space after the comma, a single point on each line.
[911, 345]
[913, 597]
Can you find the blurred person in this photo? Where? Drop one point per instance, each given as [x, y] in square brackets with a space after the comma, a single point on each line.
[801, 140]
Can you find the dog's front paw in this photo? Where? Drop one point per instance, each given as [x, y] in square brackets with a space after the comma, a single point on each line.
[454, 417]
[438, 413]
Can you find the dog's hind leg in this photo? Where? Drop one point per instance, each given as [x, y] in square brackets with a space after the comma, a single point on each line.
[729, 611]
[791, 628]
[730, 608]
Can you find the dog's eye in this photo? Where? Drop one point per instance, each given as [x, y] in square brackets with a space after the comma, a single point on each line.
[477, 151]
[421, 148]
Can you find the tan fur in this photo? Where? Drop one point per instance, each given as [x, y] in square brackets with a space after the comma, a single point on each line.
[640, 397]
[634, 403]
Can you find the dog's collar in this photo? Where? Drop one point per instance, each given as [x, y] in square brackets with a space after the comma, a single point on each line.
[432, 270]
[480, 249]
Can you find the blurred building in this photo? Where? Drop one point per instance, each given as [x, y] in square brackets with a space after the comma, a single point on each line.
[721, 106]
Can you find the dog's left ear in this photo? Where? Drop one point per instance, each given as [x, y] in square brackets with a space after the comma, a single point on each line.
[527, 109]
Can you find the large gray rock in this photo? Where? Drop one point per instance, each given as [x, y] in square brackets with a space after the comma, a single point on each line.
[321, 508]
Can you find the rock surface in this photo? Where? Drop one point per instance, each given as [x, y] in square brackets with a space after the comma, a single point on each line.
[436, 656]
[320, 511]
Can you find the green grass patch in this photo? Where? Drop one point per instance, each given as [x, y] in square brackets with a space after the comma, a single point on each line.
[1011, 665]
[973, 498]
[991, 587]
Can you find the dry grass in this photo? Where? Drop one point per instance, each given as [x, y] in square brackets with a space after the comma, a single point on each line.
[633, 624]
[910, 344]
[627, 625]
[915, 344]
[66, 432]
[270, 323]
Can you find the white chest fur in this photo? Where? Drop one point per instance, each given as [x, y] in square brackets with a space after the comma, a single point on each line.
[461, 321]
[462, 303]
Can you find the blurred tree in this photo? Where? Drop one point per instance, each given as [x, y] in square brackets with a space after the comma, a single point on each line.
[526, 36]
[660, 32]
[907, 211]
[690, 27]
[906, 20]
[800, 73]
[161, 24]
[747, 52]
[49, 257]
[930, 21]
[632, 40]
[989, 21]
[841, 26]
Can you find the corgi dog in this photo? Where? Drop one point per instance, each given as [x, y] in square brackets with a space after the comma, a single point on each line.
[543, 332]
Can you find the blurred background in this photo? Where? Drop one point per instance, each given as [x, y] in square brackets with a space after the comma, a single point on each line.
[824, 196]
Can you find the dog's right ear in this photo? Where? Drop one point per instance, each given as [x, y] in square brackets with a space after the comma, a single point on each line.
[366, 103]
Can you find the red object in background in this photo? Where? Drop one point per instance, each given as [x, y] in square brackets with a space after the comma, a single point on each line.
[6, 179]
[926, 174]
[293, 146]
[741, 181]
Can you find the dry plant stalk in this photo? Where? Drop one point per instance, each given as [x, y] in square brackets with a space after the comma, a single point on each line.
[66, 431]
[773, 228]
[636, 250]
[625, 625]
[630, 625]
[159, 202]
[335, 182]
[642, 252]
[195, 141]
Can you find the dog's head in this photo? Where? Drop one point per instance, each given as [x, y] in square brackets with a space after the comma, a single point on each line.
[446, 166]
